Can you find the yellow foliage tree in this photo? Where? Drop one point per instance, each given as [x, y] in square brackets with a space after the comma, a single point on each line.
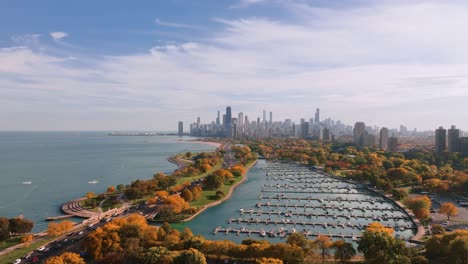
[378, 227]
[27, 239]
[66, 258]
[448, 209]
[176, 203]
[56, 229]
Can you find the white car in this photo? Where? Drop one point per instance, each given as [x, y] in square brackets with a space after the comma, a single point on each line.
[17, 261]
[41, 248]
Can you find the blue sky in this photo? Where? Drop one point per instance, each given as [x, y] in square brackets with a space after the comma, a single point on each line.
[122, 65]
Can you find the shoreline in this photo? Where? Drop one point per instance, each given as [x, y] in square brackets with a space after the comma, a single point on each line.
[225, 198]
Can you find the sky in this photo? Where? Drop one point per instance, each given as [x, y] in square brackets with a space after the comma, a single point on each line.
[145, 65]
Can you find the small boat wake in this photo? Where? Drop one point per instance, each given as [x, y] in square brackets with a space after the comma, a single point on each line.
[26, 182]
[93, 182]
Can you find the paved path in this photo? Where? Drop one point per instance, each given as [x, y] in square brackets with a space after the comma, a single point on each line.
[74, 208]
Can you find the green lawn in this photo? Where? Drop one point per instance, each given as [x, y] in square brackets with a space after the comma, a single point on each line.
[20, 252]
[10, 242]
[199, 176]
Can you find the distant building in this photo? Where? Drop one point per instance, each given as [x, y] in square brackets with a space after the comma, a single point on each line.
[383, 140]
[464, 145]
[358, 131]
[305, 130]
[453, 139]
[181, 128]
[367, 140]
[440, 140]
[326, 134]
[228, 124]
[393, 144]
[317, 117]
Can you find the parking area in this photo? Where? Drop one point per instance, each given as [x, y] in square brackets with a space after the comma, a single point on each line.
[457, 222]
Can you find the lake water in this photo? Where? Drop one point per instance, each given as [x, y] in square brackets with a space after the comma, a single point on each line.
[41, 170]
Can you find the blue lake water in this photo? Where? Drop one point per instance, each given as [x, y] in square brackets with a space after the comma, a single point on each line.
[41, 170]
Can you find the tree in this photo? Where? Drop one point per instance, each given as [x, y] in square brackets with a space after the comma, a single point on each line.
[437, 229]
[399, 194]
[420, 206]
[323, 243]
[90, 195]
[27, 239]
[379, 247]
[120, 187]
[297, 239]
[111, 189]
[157, 255]
[4, 228]
[66, 258]
[56, 229]
[268, 261]
[344, 251]
[190, 256]
[448, 209]
[20, 225]
[187, 195]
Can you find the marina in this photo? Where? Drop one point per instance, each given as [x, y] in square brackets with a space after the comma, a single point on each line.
[296, 199]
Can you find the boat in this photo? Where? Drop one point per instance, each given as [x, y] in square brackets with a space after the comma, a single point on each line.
[93, 182]
[27, 182]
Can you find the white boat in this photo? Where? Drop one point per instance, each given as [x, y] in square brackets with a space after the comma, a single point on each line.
[27, 182]
[93, 182]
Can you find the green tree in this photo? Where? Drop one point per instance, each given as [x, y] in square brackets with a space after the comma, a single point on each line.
[381, 247]
[344, 251]
[4, 228]
[157, 255]
[190, 256]
[297, 239]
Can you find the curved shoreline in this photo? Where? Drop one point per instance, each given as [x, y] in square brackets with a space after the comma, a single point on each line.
[228, 195]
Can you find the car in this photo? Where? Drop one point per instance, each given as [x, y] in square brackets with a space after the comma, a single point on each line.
[80, 233]
[17, 261]
[41, 248]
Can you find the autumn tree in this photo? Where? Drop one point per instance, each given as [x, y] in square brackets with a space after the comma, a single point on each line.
[66, 258]
[420, 206]
[111, 189]
[323, 243]
[20, 225]
[176, 204]
[448, 209]
[27, 239]
[187, 195]
[56, 229]
[90, 195]
[379, 246]
[190, 256]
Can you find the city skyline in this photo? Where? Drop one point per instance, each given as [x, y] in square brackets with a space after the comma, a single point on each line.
[147, 66]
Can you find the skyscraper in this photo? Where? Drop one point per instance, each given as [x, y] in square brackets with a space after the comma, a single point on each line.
[440, 140]
[264, 116]
[326, 134]
[240, 120]
[453, 139]
[181, 128]
[464, 145]
[228, 124]
[218, 119]
[271, 118]
[393, 144]
[317, 117]
[358, 131]
[383, 141]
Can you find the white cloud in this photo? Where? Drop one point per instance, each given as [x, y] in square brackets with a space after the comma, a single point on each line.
[175, 25]
[58, 35]
[383, 64]
[247, 3]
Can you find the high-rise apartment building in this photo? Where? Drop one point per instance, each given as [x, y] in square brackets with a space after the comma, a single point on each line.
[383, 140]
[326, 134]
[181, 128]
[393, 144]
[464, 145]
[453, 139]
[358, 131]
[440, 140]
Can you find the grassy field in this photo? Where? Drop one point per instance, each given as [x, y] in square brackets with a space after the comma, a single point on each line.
[199, 176]
[10, 242]
[20, 252]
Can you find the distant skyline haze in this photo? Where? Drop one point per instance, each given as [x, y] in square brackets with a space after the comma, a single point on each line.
[145, 66]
